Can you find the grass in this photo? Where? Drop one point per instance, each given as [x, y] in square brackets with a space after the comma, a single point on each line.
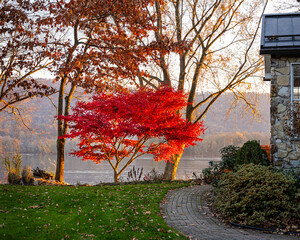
[98, 212]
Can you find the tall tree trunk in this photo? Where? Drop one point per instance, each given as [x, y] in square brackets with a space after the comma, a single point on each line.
[171, 167]
[60, 143]
[60, 147]
[62, 128]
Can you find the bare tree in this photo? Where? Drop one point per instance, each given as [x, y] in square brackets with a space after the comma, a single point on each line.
[220, 56]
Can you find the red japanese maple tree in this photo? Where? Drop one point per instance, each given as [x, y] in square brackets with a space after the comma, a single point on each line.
[120, 127]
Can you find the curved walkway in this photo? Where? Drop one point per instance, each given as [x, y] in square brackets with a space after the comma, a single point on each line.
[186, 210]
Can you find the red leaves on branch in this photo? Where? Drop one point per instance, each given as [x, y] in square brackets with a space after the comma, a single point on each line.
[119, 125]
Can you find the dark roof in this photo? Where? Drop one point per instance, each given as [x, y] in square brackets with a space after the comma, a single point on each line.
[280, 34]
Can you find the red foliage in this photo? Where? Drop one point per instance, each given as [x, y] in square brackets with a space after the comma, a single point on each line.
[267, 148]
[115, 126]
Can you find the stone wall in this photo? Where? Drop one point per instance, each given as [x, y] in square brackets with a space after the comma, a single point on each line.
[285, 145]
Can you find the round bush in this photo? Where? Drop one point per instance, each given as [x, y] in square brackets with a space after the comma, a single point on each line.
[258, 196]
[251, 152]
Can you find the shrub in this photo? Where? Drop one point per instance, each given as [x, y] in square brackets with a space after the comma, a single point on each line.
[257, 195]
[154, 176]
[229, 156]
[13, 167]
[27, 177]
[267, 148]
[212, 174]
[135, 175]
[197, 179]
[294, 174]
[13, 178]
[251, 152]
[233, 156]
[228, 160]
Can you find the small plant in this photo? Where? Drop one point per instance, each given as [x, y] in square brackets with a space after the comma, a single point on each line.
[13, 178]
[197, 179]
[13, 164]
[257, 195]
[212, 174]
[13, 167]
[135, 175]
[251, 152]
[153, 175]
[26, 176]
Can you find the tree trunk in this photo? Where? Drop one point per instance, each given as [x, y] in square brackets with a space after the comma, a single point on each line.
[60, 143]
[115, 168]
[61, 130]
[116, 177]
[63, 127]
[59, 174]
[171, 168]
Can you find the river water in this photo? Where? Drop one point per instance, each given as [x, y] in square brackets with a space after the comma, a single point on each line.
[78, 171]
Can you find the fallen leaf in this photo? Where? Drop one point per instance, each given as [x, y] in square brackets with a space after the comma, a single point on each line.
[34, 206]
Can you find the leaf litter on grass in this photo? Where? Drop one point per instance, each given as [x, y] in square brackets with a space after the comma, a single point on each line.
[110, 211]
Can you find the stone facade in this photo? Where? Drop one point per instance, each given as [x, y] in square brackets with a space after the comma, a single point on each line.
[285, 144]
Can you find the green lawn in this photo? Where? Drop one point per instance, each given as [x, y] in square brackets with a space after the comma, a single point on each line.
[98, 212]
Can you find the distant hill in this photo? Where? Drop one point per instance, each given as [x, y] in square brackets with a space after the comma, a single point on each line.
[233, 128]
[219, 120]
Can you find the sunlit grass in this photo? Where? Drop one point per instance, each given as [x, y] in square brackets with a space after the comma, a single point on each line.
[69, 212]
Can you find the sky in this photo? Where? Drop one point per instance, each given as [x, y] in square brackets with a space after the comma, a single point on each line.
[282, 6]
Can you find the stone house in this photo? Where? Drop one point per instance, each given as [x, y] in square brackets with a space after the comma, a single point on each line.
[280, 45]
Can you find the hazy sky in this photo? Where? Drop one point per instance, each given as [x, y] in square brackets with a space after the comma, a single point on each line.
[282, 6]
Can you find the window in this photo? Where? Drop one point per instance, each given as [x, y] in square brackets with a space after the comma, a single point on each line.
[296, 81]
[295, 84]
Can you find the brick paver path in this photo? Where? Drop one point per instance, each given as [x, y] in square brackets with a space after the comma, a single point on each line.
[186, 210]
